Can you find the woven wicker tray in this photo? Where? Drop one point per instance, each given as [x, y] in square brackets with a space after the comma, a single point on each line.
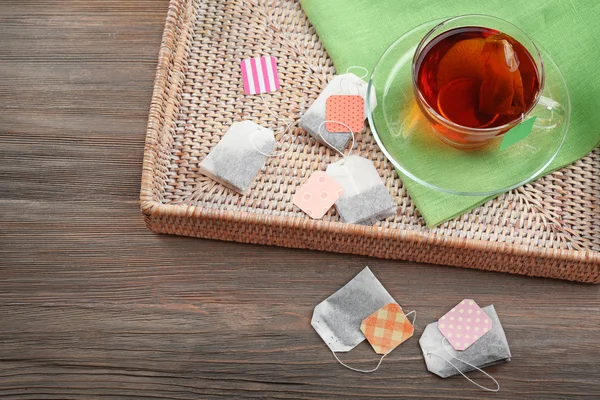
[548, 228]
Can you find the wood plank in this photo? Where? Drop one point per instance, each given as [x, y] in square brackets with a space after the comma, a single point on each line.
[93, 305]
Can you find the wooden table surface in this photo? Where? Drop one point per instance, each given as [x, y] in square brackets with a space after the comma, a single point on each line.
[93, 305]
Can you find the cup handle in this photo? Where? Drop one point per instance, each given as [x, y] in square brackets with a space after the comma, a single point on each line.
[550, 114]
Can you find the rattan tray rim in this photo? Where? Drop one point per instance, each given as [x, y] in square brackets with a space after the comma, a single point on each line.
[154, 208]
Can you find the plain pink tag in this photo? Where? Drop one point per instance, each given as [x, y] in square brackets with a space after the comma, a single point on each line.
[317, 195]
[464, 324]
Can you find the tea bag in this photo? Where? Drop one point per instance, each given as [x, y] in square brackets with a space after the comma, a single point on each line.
[338, 318]
[443, 360]
[365, 199]
[345, 84]
[501, 91]
[239, 156]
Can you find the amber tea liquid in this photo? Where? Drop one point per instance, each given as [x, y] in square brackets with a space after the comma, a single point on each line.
[477, 77]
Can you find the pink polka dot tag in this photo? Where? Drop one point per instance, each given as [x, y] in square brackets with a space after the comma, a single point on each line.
[317, 195]
[464, 324]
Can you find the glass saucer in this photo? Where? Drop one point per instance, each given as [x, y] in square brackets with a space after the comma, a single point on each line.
[415, 149]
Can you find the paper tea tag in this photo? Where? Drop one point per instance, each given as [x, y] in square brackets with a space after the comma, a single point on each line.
[517, 133]
[239, 156]
[365, 199]
[260, 75]
[464, 324]
[349, 110]
[387, 328]
[337, 319]
[313, 118]
[317, 195]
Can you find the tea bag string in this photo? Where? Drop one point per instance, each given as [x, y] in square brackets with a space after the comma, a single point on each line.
[368, 371]
[332, 146]
[445, 341]
[364, 371]
[288, 127]
[353, 84]
[362, 77]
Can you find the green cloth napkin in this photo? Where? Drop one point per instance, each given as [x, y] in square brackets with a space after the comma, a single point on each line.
[357, 32]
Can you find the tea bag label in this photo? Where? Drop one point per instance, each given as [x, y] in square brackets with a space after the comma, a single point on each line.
[365, 199]
[517, 133]
[464, 324]
[312, 121]
[260, 75]
[387, 328]
[349, 110]
[317, 195]
[239, 156]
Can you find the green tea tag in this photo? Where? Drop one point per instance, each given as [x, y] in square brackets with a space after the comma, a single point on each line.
[517, 133]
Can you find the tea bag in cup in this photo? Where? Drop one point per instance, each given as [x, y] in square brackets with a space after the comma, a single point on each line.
[345, 84]
[239, 156]
[444, 360]
[501, 89]
[365, 199]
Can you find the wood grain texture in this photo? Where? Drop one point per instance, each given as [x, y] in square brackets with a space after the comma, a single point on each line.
[92, 305]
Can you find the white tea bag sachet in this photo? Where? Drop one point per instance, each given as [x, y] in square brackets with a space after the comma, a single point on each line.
[315, 116]
[239, 156]
[443, 360]
[365, 199]
[338, 318]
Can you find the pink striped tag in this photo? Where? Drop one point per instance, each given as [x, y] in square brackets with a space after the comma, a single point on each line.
[260, 75]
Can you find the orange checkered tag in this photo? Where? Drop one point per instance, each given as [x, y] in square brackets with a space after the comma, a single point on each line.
[386, 328]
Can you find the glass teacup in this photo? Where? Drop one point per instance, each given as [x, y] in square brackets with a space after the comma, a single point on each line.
[467, 98]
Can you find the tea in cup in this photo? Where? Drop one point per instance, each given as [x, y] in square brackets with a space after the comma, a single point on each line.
[476, 77]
